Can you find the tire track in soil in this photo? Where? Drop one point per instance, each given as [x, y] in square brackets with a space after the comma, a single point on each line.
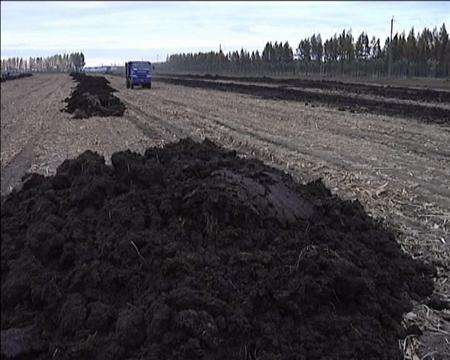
[179, 132]
[390, 140]
[246, 147]
[13, 171]
[166, 128]
[40, 87]
[264, 135]
[31, 91]
[248, 132]
[35, 88]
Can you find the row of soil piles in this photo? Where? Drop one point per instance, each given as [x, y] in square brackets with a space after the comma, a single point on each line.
[192, 252]
[9, 76]
[93, 97]
[344, 102]
[397, 92]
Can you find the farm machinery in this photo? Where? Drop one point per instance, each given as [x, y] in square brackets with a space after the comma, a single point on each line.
[138, 73]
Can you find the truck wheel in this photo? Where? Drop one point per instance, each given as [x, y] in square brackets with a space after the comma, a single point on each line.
[128, 84]
[131, 84]
[149, 85]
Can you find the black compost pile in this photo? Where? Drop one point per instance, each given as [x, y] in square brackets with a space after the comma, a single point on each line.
[93, 97]
[191, 252]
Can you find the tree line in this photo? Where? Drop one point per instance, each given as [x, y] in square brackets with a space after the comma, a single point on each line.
[56, 63]
[426, 53]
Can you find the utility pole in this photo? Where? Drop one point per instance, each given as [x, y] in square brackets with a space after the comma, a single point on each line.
[390, 49]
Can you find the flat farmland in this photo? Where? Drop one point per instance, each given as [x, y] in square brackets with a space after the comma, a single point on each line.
[37, 136]
[391, 152]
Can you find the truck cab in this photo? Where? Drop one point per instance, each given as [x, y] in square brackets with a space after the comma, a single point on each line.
[138, 73]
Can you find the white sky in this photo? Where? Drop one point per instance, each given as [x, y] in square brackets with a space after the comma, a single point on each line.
[112, 32]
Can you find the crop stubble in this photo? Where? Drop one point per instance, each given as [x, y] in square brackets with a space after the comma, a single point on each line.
[396, 167]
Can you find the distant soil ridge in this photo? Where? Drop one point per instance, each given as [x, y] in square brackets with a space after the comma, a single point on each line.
[14, 76]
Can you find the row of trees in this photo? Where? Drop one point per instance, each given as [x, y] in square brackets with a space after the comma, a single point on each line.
[55, 63]
[424, 54]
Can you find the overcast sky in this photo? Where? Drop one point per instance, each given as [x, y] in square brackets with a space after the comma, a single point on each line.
[112, 32]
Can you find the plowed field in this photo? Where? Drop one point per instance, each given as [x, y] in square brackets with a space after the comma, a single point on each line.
[389, 151]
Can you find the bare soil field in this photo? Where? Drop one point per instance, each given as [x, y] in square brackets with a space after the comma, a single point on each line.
[8, 77]
[397, 166]
[414, 82]
[411, 83]
[337, 95]
[398, 92]
[37, 136]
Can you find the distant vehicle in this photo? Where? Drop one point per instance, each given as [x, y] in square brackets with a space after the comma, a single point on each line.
[138, 73]
[99, 69]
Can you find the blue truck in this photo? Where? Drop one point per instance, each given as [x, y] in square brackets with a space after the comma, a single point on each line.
[138, 73]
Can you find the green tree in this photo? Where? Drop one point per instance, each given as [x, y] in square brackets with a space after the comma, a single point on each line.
[304, 50]
[316, 48]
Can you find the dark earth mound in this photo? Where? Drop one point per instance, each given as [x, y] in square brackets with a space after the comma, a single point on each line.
[348, 102]
[398, 92]
[93, 97]
[190, 252]
[14, 76]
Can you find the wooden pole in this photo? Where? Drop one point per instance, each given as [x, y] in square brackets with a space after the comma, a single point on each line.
[390, 49]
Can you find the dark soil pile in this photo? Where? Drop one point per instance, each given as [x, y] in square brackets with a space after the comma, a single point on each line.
[93, 97]
[190, 252]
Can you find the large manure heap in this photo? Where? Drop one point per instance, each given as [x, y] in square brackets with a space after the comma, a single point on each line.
[191, 252]
[93, 97]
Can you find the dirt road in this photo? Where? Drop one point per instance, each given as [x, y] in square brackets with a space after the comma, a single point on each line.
[398, 168]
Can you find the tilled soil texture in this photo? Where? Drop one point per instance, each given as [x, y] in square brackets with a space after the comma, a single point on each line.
[190, 252]
[427, 113]
[6, 77]
[93, 97]
[398, 92]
